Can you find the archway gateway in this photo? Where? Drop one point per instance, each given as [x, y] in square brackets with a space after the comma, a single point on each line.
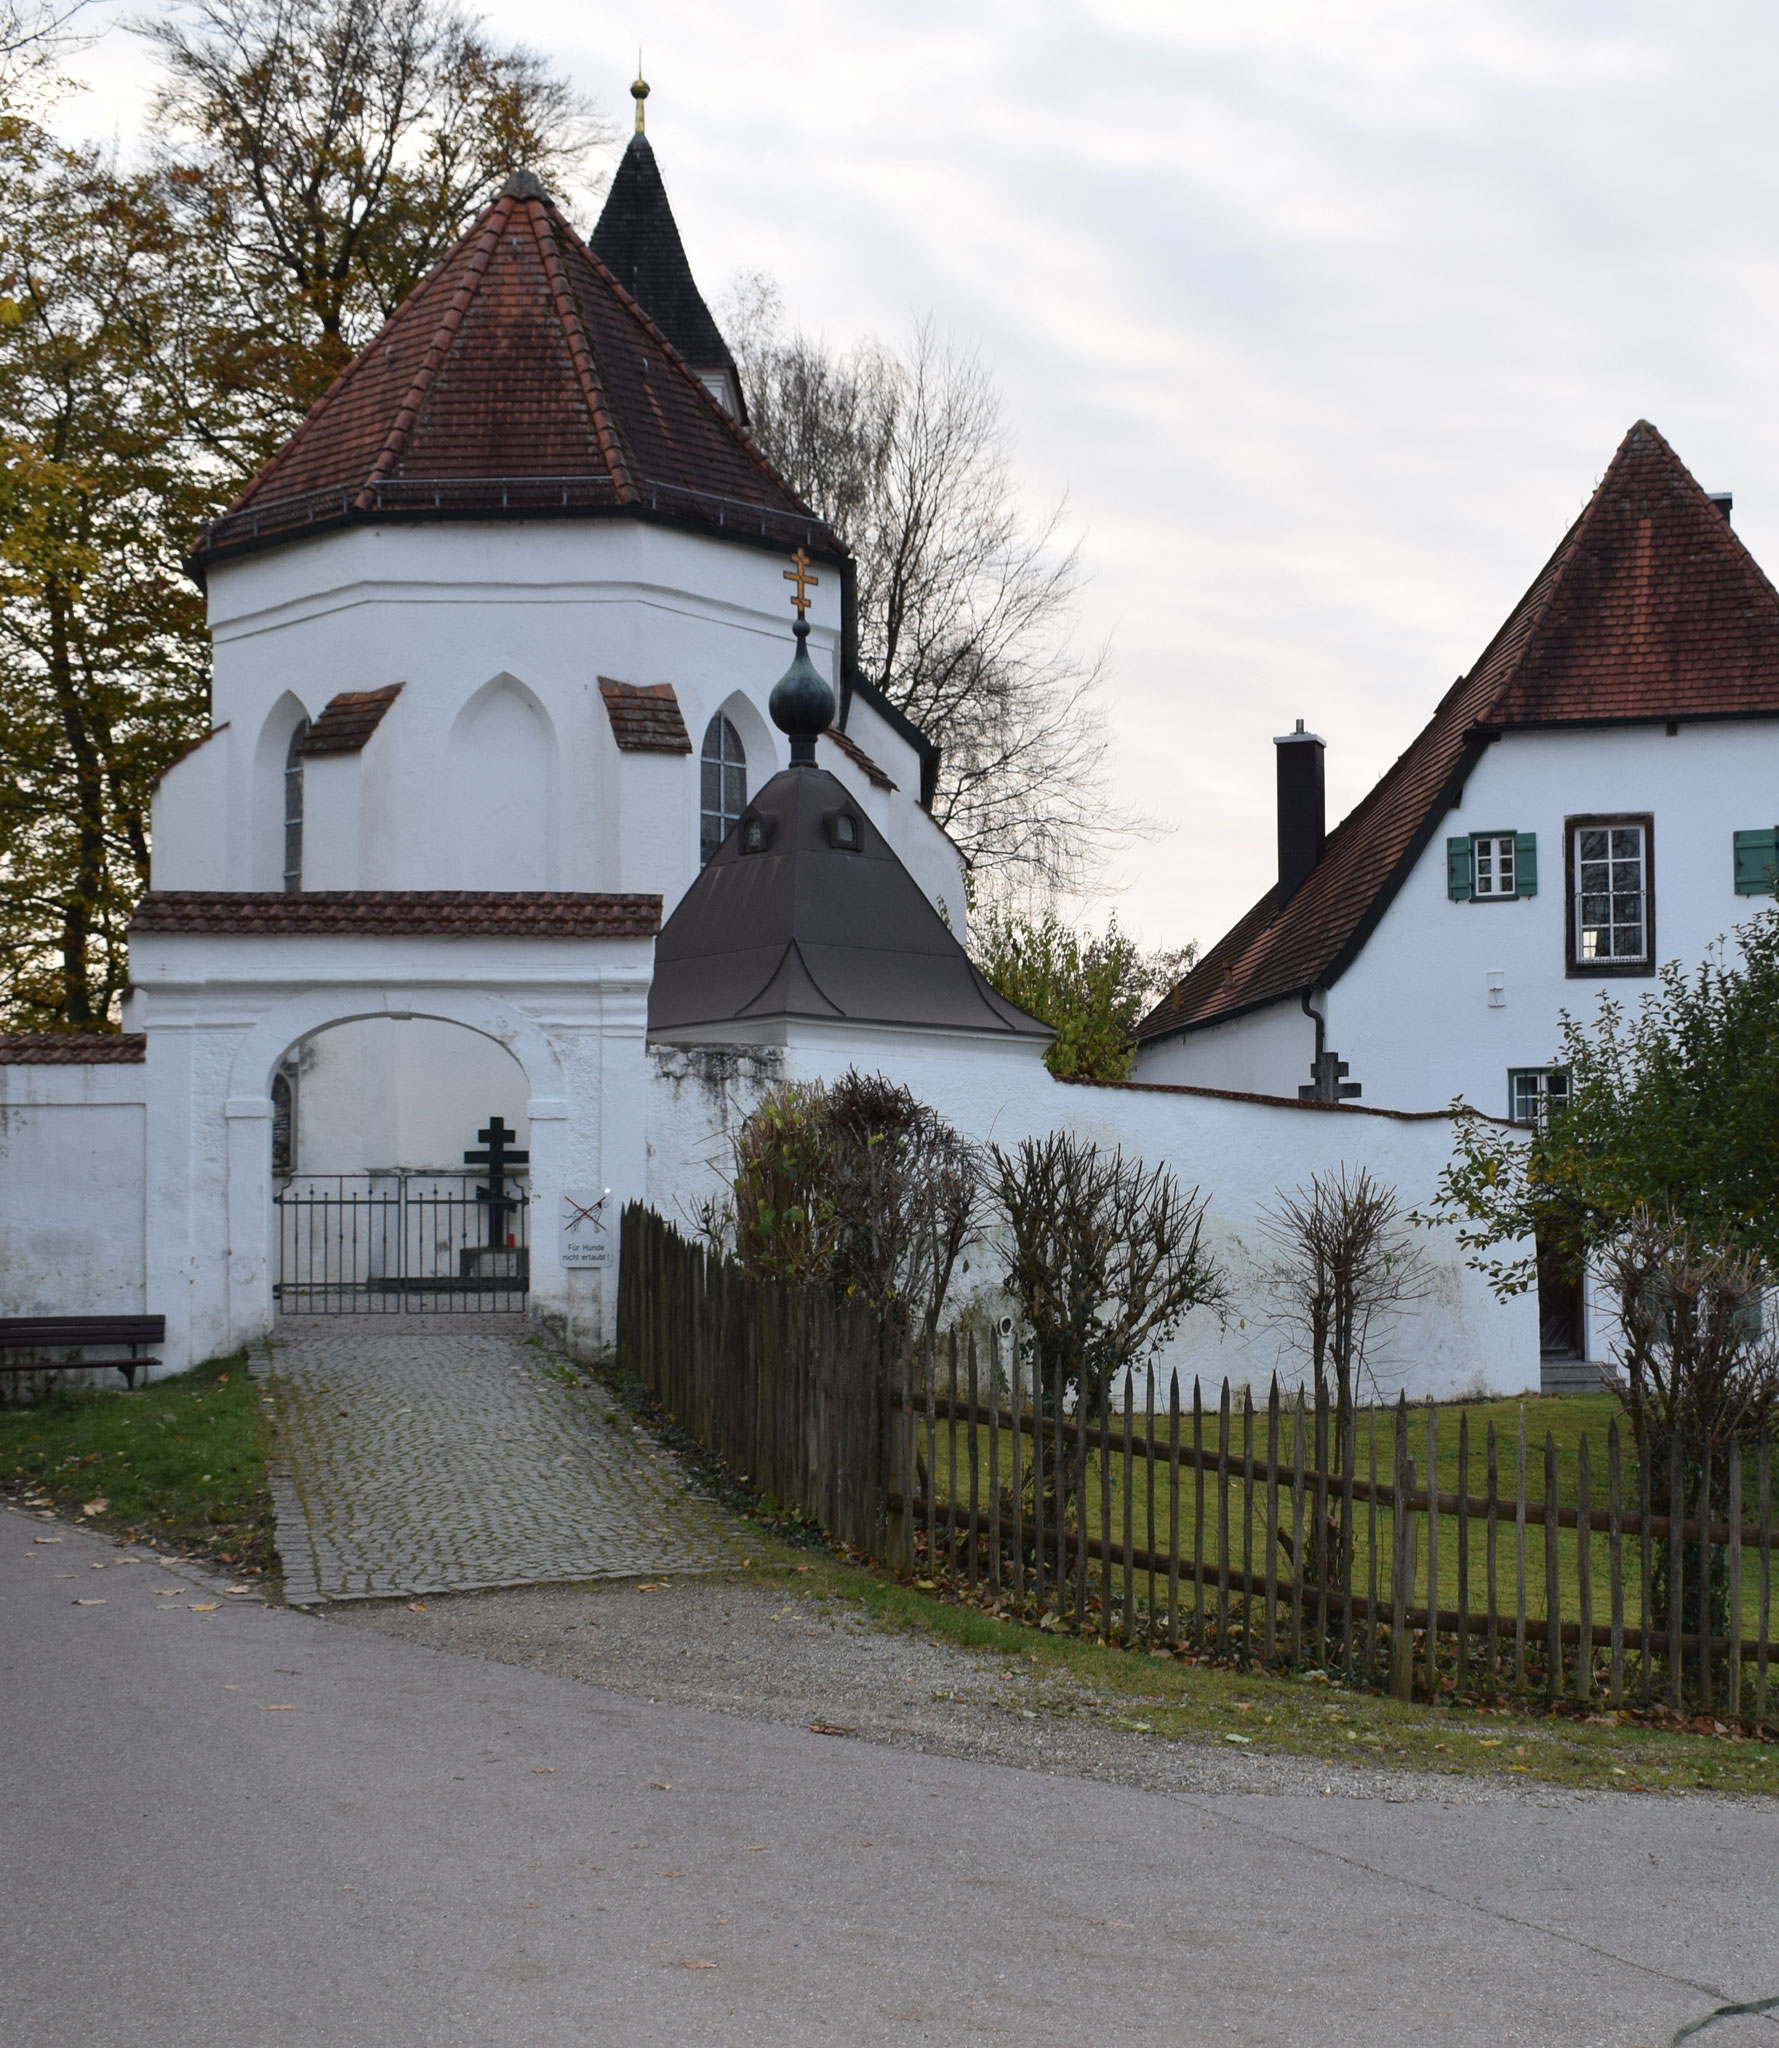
[390, 1193]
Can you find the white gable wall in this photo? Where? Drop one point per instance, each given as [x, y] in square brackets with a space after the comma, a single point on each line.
[1412, 1015]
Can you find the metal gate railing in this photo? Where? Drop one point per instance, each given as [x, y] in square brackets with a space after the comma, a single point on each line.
[395, 1243]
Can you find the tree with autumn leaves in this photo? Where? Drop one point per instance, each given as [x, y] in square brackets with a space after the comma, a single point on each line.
[162, 330]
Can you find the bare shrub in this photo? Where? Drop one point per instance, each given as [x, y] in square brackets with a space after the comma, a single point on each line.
[1342, 1269]
[1105, 1258]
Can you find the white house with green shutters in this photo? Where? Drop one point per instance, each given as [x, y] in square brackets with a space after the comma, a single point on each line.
[1591, 801]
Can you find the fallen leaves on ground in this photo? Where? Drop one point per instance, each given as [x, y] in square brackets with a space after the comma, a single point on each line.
[278, 1709]
[830, 1728]
[204, 1606]
[94, 1507]
[89, 1603]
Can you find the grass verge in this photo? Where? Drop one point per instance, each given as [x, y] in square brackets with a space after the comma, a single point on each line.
[181, 1462]
[1167, 1697]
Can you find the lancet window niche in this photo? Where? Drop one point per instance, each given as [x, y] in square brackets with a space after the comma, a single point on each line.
[723, 795]
[293, 808]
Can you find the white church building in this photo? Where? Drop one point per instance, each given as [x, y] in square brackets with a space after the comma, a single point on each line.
[528, 829]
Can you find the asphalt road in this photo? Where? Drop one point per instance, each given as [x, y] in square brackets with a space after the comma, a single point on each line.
[254, 1826]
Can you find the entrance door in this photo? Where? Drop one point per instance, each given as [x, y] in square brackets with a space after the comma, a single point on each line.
[1560, 1331]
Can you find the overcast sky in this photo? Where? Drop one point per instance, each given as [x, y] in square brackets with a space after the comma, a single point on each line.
[1325, 314]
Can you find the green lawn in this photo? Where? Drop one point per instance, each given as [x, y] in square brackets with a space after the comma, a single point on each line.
[182, 1460]
[1205, 1511]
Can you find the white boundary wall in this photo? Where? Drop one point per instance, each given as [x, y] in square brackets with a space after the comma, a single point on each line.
[1237, 1150]
[73, 1223]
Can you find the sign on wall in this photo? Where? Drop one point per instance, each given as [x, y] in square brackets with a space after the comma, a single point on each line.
[586, 1240]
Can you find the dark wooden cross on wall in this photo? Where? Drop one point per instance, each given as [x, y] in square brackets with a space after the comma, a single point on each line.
[500, 1157]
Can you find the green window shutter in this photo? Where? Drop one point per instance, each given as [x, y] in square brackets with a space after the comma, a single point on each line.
[1525, 863]
[1457, 870]
[1757, 855]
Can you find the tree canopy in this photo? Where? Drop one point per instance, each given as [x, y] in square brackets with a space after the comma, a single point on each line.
[162, 330]
[1091, 988]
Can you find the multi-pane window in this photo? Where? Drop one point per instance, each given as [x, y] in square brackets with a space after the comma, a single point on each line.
[1609, 877]
[1493, 870]
[293, 808]
[723, 786]
[1533, 1092]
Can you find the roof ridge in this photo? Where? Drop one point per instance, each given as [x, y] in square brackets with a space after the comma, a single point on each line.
[742, 437]
[580, 348]
[450, 320]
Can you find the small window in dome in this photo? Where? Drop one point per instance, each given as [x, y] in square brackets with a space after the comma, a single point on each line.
[843, 831]
[753, 833]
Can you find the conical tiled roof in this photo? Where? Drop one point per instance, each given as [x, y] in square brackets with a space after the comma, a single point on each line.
[809, 927]
[519, 379]
[637, 239]
[1651, 609]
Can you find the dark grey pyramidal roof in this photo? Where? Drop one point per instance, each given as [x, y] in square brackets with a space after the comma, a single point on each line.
[811, 927]
[637, 240]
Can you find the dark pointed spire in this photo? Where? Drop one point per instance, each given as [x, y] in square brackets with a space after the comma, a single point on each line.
[637, 240]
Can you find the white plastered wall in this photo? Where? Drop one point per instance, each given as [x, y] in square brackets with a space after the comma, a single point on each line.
[538, 610]
[1413, 1017]
[72, 1209]
[1238, 1153]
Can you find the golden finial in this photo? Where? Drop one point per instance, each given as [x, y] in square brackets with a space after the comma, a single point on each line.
[800, 575]
[639, 91]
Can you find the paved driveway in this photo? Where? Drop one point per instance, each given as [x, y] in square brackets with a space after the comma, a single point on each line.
[427, 1454]
[250, 1825]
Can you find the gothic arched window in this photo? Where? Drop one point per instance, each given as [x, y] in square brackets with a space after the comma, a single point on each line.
[293, 808]
[723, 768]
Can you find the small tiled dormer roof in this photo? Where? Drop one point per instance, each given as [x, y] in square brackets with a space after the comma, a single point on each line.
[348, 720]
[637, 239]
[646, 718]
[1651, 610]
[519, 380]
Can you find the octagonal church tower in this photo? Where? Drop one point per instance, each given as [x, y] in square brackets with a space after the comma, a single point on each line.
[494, 635]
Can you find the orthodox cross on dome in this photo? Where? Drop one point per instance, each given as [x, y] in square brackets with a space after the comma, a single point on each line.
[500, 1158]
[800, 574]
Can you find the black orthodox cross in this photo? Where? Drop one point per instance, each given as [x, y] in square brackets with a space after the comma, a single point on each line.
[1329, 1082]
[499, 1157]
[799, 574]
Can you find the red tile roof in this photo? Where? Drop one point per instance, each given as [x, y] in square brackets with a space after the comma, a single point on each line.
[400, 913]
[1651, 609]
[519, 379]
[73, 1049]
[859, 758]
[645, 717]
[348, 720]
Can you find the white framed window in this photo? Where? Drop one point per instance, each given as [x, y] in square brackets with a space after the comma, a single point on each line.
[293, 809]
[722, 771]
[1612, 902]
[1492, 855]
[1533, 1092]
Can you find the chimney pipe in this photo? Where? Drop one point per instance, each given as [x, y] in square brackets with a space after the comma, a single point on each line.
[1303, 810]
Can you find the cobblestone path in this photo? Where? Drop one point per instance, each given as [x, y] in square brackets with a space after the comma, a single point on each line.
[432, 1454]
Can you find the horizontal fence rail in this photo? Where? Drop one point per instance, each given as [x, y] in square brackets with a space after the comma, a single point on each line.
[1431, 1552]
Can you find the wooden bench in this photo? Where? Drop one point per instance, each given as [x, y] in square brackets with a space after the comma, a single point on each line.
[76, 1333]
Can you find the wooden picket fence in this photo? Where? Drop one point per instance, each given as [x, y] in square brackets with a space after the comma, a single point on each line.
[784, 1384]
[1411, 1556]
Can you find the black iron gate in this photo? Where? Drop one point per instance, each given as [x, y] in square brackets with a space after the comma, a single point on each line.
[389, 1243]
